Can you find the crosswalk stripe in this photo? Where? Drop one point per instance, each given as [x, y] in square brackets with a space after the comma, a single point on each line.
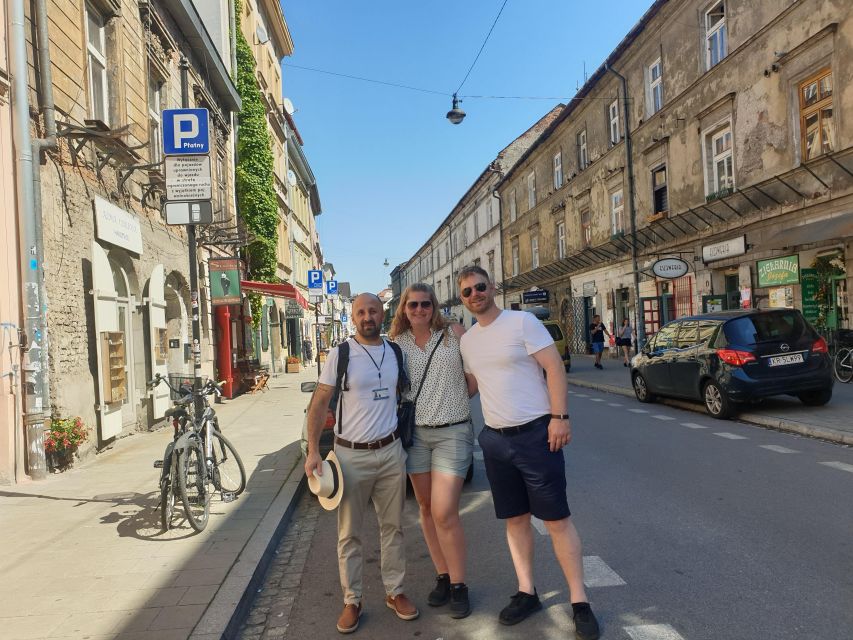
[581, 395]
[596, 400]
[539, 525]
[596, 573]
[693, 425]
[653, 632]
[660, 416]
[614, 404]
[637, 410]
[730, 436]
[838, 465]
[777, 448]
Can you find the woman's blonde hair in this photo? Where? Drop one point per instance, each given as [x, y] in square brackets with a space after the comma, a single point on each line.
[401, 323]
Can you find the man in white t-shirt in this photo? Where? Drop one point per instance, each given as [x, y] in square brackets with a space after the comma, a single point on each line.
[371, 458]
[527, 426]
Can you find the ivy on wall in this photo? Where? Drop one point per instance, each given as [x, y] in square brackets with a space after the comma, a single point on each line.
[256, 196]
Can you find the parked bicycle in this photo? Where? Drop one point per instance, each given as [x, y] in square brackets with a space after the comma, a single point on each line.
[198, 456]
[842, 362]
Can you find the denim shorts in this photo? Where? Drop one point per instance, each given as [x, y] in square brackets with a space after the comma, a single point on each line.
[446, 449]
[597, 347]
[524, 474]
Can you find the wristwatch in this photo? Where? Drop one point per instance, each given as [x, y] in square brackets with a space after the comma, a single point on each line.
[560, 416]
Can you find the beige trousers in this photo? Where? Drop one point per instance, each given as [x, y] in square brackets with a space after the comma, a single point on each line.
[380, 476]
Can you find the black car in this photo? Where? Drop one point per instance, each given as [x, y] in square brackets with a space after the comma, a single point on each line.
[732, 357]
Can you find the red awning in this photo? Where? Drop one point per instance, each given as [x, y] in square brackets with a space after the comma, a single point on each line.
[282, 290]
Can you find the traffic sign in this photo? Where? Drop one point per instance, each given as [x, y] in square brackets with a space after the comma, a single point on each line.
[186, 131]
[332, 287]
[344, 318]
[200, 212]
[188, 178]
[315, 280]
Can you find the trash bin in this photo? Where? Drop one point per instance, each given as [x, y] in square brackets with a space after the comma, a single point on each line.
[36, 458]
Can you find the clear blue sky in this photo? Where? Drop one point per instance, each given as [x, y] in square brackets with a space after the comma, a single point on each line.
[388, 164]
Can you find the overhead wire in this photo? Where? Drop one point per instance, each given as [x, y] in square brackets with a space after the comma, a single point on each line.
[482, 46]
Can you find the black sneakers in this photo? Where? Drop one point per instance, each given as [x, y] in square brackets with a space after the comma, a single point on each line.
[586, 626]
[520, 606]
[459, 605]
[441, 594]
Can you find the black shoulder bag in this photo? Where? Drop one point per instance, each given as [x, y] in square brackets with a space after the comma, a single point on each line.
[406, 408]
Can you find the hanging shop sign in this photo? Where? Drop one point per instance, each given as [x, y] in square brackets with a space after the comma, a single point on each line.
[670, 268]
[293, 310]
[776, 272]
[589, 289]
[810, 286]
[725, 249]
[225, 276]
[534, 297]
[117, 226]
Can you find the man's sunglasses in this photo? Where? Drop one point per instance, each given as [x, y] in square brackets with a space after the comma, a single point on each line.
[480, 286]
[413, 304]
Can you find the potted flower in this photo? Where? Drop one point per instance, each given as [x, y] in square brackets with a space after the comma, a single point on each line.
[62, 440]
[292, 364]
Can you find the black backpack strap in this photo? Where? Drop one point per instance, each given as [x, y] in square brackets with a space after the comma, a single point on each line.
[403, 382]
[340, 380]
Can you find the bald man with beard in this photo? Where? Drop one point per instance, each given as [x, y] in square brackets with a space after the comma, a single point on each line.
[371, 457]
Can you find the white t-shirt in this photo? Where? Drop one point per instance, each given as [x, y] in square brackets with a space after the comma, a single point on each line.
[365, 419]
[511, 382]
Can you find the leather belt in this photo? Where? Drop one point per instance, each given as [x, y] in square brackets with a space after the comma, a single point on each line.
[441, 426]
[527, 426]
[367, 446]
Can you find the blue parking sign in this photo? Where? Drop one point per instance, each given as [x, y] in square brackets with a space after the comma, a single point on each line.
[186, 132]
[332, 287]
[315, 280]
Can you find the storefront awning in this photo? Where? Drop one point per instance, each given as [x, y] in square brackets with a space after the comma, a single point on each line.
[837, 227]
[282, 290]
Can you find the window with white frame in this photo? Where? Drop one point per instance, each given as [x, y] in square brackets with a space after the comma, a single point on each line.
[465, 234]
[816, 115]
[155, 105]
[558, 169]
[583, 156]
[96, 50]
[655, 87]
[490, 216]
[716, 42]
[476, 225]
[586, 228]
[561, 239]
[515, 261]
[720, 166]
[617, 212]
[447, 251]
[659, 191]
[531, 190]
[513, 209]
[534, 249]
[613, 121]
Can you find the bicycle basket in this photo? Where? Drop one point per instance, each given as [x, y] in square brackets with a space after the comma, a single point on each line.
[184, 384]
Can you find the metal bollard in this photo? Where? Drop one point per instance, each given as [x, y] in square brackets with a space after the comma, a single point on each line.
[36, 458]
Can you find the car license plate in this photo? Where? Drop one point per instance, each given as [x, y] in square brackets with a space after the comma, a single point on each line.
[791, 358]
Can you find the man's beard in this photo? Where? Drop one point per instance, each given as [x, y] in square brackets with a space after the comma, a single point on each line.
[368, 331]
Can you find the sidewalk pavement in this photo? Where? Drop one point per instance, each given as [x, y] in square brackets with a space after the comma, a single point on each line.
[84, 556]
[833, 422]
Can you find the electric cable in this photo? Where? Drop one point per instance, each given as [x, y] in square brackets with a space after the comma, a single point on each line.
[483, 46]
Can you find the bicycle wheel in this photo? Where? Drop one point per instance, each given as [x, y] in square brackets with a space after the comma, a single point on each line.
[229, 475]
[843, 364]
[194, 485]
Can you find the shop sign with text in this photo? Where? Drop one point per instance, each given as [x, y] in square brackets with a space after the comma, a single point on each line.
[670, 268]
[224, 281]
[779, 271]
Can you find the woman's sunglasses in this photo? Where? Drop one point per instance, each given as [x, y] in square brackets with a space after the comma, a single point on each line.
[413, 304]
[480, 286]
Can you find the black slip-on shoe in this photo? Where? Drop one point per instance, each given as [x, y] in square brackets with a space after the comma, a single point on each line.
[440, 596]
[586, 626]
[460, 607]
[520, 606]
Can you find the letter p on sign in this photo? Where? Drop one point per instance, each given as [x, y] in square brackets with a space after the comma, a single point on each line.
[186, 132]
[186, 128]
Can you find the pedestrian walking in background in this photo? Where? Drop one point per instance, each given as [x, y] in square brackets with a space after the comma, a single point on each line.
[372, 460]
[306, 350]
[624, 339]
[443, 442]
[527, 426]
[596, 332]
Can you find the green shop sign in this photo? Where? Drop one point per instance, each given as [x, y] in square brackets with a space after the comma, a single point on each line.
[778, 271]
[811, 284]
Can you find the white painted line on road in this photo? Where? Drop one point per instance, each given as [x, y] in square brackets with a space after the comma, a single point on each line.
[777, 448]
[653, 632]
[637, 410]
[693, 425]
[596, 573]
[539, 525]
[614, 404]
[838, 465]
[581, 395]
[660, 416]
[596, 400]
[730, 436]
[478, 455]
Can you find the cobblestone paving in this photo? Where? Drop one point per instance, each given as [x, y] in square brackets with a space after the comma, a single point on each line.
[269, 615]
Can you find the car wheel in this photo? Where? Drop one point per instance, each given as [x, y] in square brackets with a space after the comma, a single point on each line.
[717, 403]
[816, 398]
[641, 389]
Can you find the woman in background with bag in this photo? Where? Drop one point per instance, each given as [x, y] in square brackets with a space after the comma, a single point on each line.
[443, 441]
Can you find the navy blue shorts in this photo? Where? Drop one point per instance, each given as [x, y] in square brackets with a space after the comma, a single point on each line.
[525, 476]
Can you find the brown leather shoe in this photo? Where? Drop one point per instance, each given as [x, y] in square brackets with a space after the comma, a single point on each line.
[402, 606]
[348, 622]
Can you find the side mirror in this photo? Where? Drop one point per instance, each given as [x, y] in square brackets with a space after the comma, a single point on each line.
[308, 387]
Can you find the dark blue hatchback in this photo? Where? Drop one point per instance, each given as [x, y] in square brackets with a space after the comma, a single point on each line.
[733, 357]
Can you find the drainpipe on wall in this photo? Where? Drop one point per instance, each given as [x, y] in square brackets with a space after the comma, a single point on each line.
[632, 212]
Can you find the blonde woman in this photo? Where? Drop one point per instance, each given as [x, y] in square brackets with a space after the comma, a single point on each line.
[444, 436]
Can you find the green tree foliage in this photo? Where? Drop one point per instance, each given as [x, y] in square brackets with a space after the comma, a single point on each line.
[256, 197]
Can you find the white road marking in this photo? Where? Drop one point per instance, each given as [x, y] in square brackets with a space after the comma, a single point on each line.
[693, 425]
[596, 400]
[596, 573]
[613, 404]
[838, 465]
[653, 632]
[730, 436]
[478, 455]
[637, 410]
[777, 448]
[539, 525]
[581, 395]
[660, 416]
